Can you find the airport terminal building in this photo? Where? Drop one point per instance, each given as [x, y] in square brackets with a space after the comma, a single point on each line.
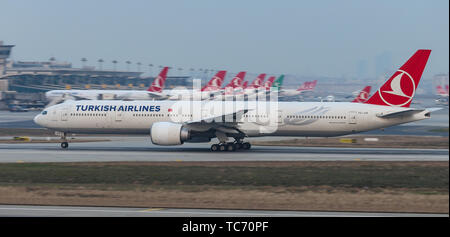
[33, 78]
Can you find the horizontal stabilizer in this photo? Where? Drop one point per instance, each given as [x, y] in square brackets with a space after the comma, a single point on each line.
[407, 112]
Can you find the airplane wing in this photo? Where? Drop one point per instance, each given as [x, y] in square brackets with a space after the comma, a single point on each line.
[226, 123]
[229, 118]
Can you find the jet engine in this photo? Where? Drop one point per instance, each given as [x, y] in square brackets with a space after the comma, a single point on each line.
[169, 134]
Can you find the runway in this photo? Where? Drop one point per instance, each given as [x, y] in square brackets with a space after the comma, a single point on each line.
[141, 149]
[72, 211]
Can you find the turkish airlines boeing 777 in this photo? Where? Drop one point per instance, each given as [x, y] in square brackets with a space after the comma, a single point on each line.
[175, 122]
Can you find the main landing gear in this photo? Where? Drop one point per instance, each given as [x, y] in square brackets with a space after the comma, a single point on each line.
[231, 146]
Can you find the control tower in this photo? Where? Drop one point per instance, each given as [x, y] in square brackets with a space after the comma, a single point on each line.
[5, 51]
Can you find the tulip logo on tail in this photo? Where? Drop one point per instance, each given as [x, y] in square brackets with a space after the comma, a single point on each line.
[216, 82]
[158, 83]
[399, 90]
[363, 95]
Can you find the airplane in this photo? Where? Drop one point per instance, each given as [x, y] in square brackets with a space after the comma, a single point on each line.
[233, 87]
[441, 91]
[170, 123]
[358, 96]
[306, 86]
[443, 95]
[155, 90]
[209, 91]
[363, 95]
[244, 92]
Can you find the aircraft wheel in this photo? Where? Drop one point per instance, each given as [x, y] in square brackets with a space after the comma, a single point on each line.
[214, 147]
[238, 146]
[246, 145]
[222, 147]
[64, 145]
[231, 147]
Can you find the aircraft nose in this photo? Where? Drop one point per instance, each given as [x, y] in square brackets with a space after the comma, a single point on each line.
[37, 119]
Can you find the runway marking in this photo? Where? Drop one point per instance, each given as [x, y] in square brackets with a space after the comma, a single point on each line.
[152, 209]
[233, 213]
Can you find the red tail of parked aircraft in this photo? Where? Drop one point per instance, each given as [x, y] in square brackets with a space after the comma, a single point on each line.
[158, 83]
[363, 95]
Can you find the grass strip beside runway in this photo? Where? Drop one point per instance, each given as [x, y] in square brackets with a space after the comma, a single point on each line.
[274, 185]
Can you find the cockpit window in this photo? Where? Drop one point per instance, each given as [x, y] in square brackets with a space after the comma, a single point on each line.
[44, 112]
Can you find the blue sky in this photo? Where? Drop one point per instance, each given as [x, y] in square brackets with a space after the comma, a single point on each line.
[320, 38]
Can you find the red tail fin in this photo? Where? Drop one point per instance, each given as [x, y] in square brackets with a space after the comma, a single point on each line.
[313, 85]
[245, 84]
[304, 86]
[258, 82]
[399, 90]
[269, 82]
[236, 82]
[158, 83]
[440, 90]
[308, 86]
[216, 82]
[363, 95]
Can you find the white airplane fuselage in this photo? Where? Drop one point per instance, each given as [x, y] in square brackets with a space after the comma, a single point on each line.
[175, 94]
[263, 118]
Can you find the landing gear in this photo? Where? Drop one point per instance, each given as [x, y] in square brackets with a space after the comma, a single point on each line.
[215, 147]
[231, 146]
[64, 144]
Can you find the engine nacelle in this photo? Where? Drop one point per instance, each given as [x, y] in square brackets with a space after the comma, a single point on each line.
[169, 134]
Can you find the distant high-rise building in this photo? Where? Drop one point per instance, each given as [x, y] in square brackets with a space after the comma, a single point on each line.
[383, 64]
[361, 69]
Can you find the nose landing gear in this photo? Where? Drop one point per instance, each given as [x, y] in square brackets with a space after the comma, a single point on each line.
[64, 143]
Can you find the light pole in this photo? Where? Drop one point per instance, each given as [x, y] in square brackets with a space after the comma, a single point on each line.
[139, 66]
[128, 65]
[114, 63]
[83, 61]
[150, 66]
[100, 64]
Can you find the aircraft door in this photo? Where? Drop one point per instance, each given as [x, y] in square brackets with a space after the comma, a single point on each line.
[352, 117]
[279, 117]
[119, 116]
[64, 114]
